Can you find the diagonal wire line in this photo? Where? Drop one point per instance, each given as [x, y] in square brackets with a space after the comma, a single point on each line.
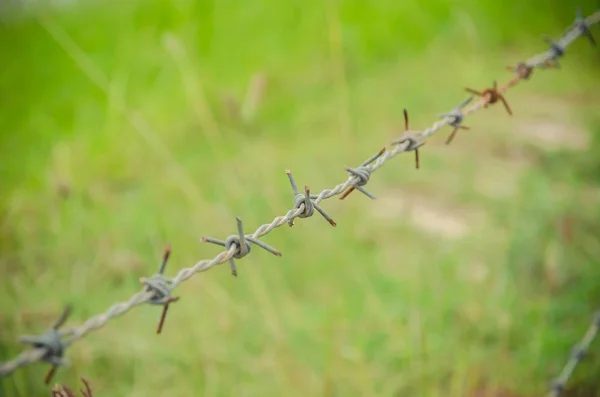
[577, 354]
[409, 141]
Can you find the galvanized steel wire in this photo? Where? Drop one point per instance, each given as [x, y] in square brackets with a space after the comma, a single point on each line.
[50, 347]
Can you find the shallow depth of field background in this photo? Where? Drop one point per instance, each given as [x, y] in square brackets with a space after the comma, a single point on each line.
[119, 134]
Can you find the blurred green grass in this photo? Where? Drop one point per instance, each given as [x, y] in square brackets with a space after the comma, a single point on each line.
[116, 140]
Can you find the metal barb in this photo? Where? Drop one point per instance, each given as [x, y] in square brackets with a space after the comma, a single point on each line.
[557, 50]
[52, 342]
[491, 96]
[522, 70]
[242, 245]
[584, 27]
[413, 143]
[166, 255]
[160, 287]
[363, 173]
[306, 201]
[456, 117]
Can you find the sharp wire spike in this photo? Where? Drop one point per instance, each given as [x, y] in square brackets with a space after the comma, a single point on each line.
[472, 91]
[456, 115]
[451, 137]
[584, 28]
[166, 255]
[505, 105]
[50, 374]
[405, 112]
[160, 287]
[363, 173]
[243, 246]
[306, 202]
[417, 159]
[163, 315]
[491, 96]
[63, 318]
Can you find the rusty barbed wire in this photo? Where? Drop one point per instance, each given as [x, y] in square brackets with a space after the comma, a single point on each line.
[157, 289]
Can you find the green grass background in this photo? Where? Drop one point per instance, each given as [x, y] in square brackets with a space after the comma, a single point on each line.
[115, 140]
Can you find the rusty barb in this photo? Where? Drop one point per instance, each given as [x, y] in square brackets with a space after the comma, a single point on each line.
[157, 290]
[522, 70]
[491, 96]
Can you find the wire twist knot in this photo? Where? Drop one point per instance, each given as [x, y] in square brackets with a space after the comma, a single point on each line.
[557, 387]
[363, 174]
[407, 137]
[578, 353]
[242, 247]
[522, 70]
[491, 96]
[556, 50]
[306, 201]
[456, 117]
[52, 342]
[160, 287]
[241, 244]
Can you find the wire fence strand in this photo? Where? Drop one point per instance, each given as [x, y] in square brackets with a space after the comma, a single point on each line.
[577, 354]
[50, 346]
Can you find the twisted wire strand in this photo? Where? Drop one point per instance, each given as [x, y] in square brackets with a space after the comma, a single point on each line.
[98, 321]
[578, 353]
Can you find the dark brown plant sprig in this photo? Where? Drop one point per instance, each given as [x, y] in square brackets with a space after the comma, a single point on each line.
[64, 391]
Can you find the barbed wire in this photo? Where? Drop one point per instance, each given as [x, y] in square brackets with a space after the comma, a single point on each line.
[577, 354]
[50, 346]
